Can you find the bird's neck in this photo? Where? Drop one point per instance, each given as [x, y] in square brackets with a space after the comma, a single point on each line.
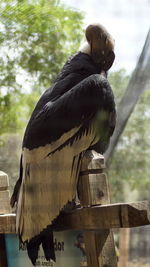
[85, 48]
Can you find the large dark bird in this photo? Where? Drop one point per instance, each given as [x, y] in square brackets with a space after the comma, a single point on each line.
[76, 114]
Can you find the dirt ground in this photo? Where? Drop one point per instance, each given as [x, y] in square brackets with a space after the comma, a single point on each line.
[138, 264]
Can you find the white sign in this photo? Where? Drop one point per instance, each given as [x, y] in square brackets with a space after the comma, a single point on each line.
[69, 249]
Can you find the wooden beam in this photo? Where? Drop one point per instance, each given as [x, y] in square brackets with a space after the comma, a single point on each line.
[4, 194]
[93, 190]
[7, 224]
[122, 215]
[107, 217]
[3, 181]
[5, 202]
[124, 240]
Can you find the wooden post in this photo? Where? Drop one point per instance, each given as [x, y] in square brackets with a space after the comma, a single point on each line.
[124, 239]
[4, 194]
[4, 208]
[93, 189]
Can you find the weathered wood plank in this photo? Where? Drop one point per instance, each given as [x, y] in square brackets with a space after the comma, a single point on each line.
[7, 224]
[124, 238]
[94, 190]
[108, 216]
[106, 245]
[4, 202]
[88, 164]
[91, 249]
[4, 183]
[120, 215]
[93, 184]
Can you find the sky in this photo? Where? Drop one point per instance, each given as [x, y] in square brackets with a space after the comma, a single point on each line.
[128, 21]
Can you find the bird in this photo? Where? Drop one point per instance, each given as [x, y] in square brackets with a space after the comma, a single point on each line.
[75, 114]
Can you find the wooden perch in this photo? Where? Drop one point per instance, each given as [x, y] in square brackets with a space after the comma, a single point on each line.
[7, 224]
[107, 217]
[4, 193]
[4, 208]
[93, 190]
[120, 215]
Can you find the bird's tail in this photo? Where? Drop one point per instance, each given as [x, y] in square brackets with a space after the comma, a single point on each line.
[46, 239]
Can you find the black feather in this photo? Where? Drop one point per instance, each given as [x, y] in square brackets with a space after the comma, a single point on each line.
[46, 239]
[33, 248]
[76, 107]
[15, 194]
[48, 245]
[78, 68]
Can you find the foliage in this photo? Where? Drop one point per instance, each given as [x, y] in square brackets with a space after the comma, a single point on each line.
[10, 151]
[36, 38]
[129, 170]
[119, 81]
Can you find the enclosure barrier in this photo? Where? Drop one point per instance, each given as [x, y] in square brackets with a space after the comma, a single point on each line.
[95, 217]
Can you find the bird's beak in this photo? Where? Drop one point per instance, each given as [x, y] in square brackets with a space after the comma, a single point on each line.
[103, 73]
[108, 60]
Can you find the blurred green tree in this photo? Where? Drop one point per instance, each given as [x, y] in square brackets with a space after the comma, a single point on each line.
[129, 170]
[36, 38]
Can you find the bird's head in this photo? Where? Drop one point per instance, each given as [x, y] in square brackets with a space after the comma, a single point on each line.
[101, 46]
